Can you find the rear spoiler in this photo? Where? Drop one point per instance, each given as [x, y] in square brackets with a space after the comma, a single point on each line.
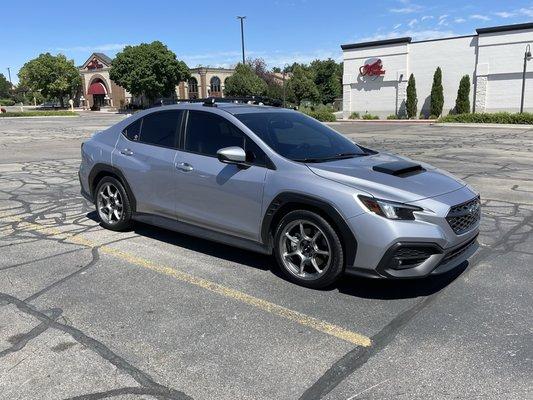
[399, 168]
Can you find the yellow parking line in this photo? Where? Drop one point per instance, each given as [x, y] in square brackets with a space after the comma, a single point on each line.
[295, 316]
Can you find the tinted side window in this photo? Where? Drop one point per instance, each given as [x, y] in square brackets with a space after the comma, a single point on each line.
[160, 128]
[207, 133]
[133, 131]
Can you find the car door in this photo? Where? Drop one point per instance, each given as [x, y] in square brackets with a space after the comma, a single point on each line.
[212, 194]
[145, 154]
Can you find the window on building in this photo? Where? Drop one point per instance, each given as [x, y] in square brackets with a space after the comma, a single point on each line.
[160, 128]
[193, 88]
[215, 85]
[207, 133]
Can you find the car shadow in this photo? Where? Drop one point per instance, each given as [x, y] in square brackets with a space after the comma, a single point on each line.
[379, 289]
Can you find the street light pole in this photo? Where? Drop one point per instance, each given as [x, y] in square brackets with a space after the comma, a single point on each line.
[527, 56]
[9, 74]
[242, 37]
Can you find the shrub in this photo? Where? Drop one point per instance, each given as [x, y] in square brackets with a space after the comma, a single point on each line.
[39, 114]
[355, 115]
[412, 100]
[462, 103]
[321, 115]
[437, 94]
[7, 102]
[392, 116]
[370, 116]
[433, 116]
[490, 118]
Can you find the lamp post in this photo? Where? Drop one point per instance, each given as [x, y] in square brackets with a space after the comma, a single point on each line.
[284, 85]
[242, 37]
[527, 57]
[9, 74]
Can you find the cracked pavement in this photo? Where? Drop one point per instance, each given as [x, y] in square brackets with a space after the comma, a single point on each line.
[92, 314]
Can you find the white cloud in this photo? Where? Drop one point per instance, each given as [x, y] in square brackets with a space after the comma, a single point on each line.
[443, 17]
[412, 23]
[427, 17]
[479, 17]
[505, 14]
[528, 12]
[459, 20]
[417, 35]
[89, 49]
[396, 26]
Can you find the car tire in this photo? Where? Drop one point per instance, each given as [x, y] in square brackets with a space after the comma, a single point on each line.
[113, 204]
[308, 249]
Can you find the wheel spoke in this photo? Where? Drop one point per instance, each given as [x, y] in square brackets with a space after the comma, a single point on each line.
[116, 214]
[315, 265]
[291, 254]
[322, 252]
[316, 236]
[291, 238]
[302, 232]
[303, 261]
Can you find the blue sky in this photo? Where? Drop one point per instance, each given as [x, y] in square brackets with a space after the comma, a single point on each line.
[208, 33]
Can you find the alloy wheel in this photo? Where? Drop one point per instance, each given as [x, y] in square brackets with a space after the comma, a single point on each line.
[110, 204]
[305, 250]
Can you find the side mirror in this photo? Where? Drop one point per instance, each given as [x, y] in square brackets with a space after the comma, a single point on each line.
[232, 155]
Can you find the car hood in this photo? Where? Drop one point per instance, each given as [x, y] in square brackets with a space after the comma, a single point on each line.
[358, 172]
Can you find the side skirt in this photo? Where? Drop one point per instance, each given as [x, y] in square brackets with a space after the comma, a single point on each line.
[193, 230]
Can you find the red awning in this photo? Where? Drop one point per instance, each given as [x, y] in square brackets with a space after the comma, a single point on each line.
[97, 88]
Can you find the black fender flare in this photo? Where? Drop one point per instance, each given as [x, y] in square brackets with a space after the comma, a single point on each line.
[290, 201]
[106, 169]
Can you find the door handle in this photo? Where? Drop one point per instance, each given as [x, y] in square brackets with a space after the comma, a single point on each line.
[185, 167]
[126, 152]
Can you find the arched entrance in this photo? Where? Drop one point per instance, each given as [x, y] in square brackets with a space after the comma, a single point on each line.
[98, 90]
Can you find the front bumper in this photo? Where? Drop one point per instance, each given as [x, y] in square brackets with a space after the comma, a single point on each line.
[412, 249]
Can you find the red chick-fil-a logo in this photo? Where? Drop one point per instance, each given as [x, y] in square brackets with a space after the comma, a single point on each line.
[372, 68]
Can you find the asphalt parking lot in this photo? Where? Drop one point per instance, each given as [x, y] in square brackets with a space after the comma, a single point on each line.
[90, 314]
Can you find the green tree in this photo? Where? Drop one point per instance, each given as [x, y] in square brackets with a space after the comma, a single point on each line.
[244, 82]
[462, 103]
[149, 69]
[412, 100]
[5, 87]
[301, 85]
[326, 77]
[53, 76]
[437, 94]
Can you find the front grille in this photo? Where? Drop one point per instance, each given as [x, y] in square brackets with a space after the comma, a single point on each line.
[463, 217]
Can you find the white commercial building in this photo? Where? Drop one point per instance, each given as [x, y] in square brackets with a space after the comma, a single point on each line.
[376, 73]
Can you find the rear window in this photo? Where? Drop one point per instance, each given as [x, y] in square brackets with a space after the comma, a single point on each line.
[158, 128]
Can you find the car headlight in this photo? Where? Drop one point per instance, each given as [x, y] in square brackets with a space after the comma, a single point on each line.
[389, 209]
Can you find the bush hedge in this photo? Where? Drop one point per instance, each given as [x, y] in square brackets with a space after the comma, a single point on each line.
[369, 116]
[38, 114]
[355, 115]
[7, 102]
[489, 118]
[321, 115]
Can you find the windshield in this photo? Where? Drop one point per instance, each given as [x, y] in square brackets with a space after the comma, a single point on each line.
[299, 137]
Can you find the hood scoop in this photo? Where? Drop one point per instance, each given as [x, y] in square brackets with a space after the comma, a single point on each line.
[399, 168]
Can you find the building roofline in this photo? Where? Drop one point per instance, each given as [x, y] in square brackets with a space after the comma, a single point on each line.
[376, 43]
[505, 28]
[480, 31]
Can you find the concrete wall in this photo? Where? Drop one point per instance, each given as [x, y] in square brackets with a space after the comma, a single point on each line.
[494, 62]
[500, 63]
